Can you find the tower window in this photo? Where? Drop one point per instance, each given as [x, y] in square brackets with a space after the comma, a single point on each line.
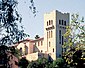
[62, 22]
[59, 36]
[47, 23]
[51, 22]
[53, 49]
[49, 44]
[65, 23]
[47, 34]
[41, 50]
[59, 22]
[62, 40]
[51, 34]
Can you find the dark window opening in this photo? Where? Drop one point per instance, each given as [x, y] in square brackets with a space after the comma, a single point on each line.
[47, 23]
[59, 36]
[65, 23]
[26, 50]
[21, 50]
[53, 49]
[38, 43]
[41, 50]
[51, 22]
[49, 44]
[59, 22]
[62, 40]
[62, 22]
[41, 43]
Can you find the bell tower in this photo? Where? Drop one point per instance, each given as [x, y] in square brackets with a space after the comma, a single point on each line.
[54, 27]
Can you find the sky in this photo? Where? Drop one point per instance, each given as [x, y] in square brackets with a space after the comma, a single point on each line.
[35, 25]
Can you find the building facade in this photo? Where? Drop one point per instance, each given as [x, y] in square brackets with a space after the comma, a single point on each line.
[54, 27]
[50, 46]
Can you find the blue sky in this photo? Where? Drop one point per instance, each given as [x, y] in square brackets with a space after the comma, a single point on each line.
[35, 25]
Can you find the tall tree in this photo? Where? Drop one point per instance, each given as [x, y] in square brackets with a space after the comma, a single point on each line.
[75, 33]
[9, 25]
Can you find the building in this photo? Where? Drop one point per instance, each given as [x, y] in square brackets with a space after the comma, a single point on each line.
[54, 27]
[50, 46]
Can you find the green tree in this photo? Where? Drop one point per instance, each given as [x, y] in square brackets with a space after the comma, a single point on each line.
[23, 63]
[9, 28]
[73, 48]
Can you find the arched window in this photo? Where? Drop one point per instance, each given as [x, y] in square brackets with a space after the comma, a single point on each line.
[62, 22]
[51, 22]
[65, 23]
[26, 50]
[49, 44]
[20, 50]
[41, 50]
[38, 43]
[41, 43]
[51, 34]
[53, 49]
[47, 23]
[47, 34]
[59, 22]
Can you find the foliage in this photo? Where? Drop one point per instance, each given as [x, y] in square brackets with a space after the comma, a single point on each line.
[9, 19]
[33, 7]
[37, 36]
[15, 51]
[23, 63]
[74, 47]
[44, 63]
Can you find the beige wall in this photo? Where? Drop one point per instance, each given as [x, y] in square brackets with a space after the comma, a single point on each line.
[29, 44]
[35, 56]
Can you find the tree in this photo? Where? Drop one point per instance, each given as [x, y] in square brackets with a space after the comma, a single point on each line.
[73, 48]
[23, 63]
[37, 36]
[9, 20]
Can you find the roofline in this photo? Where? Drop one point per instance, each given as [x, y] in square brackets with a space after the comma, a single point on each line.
[28, 40]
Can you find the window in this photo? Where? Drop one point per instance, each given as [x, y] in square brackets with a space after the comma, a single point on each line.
[65, 23]
[62, 40]
[41, 43]
[59, 22]
[21, 50]
[38, 44]
[62, 22]
[35, 43]
[53, 49]
[59, 36]
[47, 34]
[51, 22]
[41, 50]
[49, 44]
[26, 50]
[47, 23]
[51, 34]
